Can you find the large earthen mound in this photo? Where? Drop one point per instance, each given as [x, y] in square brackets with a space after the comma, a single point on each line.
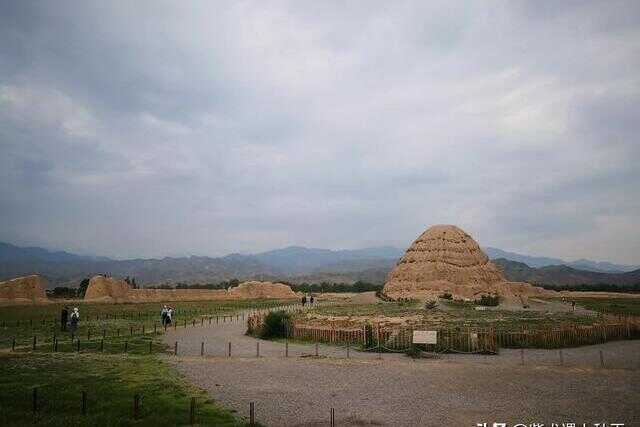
[259, 290]
[107, 289]
[445, 259]
[23, 290]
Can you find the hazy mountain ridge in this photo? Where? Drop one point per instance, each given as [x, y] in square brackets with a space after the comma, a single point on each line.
[295, 264]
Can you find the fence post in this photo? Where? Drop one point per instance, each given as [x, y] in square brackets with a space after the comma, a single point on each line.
[257, 348]
[202, 348]
[35, 400]
[229, 348]
[286, 349]
[333, 417]
[136, 406]
[601, 359]
[348, 348]
[252, 414]
[102, 345]
[13, 344]
[34, 342]
[561, 358]
[316, 349]
[192, 411]
[78, 345]
[175, 349]
[84, 402]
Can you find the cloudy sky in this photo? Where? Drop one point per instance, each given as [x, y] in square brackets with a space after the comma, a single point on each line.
[167, 128]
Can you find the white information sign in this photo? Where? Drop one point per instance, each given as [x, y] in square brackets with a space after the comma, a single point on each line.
[425, 337]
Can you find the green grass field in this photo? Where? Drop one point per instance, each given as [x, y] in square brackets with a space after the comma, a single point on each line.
[612, 305]
[450, 315]
[116, 322]
[110, 376]
[110, 383]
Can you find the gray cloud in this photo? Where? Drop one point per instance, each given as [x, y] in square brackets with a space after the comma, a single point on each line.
[160, 128]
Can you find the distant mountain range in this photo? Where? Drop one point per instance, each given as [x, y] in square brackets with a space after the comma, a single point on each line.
[582, 264]
[295, 264]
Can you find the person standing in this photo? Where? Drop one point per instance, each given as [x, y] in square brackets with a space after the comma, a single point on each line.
[163, 315]
[311, 300]
[169, 316]
[73, 322]
[64, 318]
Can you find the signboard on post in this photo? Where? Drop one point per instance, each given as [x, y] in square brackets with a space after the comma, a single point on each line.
[425, 337]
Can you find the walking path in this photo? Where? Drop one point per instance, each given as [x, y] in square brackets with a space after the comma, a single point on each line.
[449, 390]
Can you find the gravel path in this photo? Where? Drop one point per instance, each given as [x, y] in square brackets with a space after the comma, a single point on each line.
[451, 390]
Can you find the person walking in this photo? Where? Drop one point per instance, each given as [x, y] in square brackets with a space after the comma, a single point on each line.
[169, 316]
[311, 300]
[163, 314]
[73, 322]
[64, 318]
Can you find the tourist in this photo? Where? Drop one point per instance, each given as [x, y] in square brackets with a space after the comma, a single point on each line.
[64, 318]
[311, 300]
[73, 323]
[304, 300]
[169, 316]
[163, 314]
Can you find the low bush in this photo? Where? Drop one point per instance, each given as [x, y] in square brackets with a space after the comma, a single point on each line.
[276, 323]
[430, 304]
[489, 300]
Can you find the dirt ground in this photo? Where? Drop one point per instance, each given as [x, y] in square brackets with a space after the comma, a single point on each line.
[450, 390]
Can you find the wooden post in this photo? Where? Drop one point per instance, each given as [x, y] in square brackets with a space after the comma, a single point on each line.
[155, 324]
[252, 414]
[333, 417]
[202, 348]
[229, 349]
[35, 400]
[601, 359]
[561, 358]
[13, 344]
[34, 342]
[316, 349]
[104, 333]
[131, 329]
[84, 403]
[78, 345]
[348, 348]
[102, 345]
[257, 348]
[175, 348]
[192, 411]
[150, 347]
[136, 406]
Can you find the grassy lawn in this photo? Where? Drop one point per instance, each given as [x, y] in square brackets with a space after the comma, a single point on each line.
[110, 376]
[446, 315]
[115, 321]
[611, 305]
[110, 382]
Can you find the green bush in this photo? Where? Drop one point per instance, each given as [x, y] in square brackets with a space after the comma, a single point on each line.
[489, 300]
[430, 304]
[276, 323]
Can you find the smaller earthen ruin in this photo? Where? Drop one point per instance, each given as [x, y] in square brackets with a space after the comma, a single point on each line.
[109, 289]
[23, 290]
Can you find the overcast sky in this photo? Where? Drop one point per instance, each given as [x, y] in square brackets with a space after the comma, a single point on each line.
[141, 129]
